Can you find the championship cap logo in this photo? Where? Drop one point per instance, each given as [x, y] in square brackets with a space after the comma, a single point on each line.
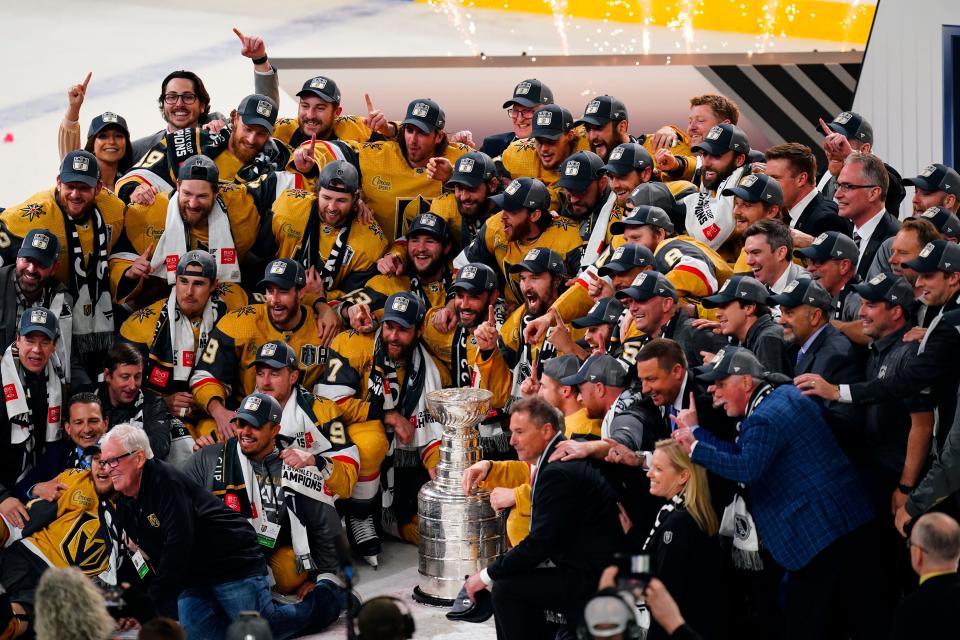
[268, 350]
[748, 181]
[793, 285]
[725, 286]
[638, 281]
[522, 89]
[618, 253]
[617, 153]
[927, 250]
[264, 108]
[931, 212]
[38, 316]
[717, 359]
[843, 118]
[595, 306]
[928, 171]
[109, 117]
[400, 304]
[278, 267]
[466, 165]
[572, 168]
[512, 188]
[533, 254]
[593, 107]
[318, 83]
[877, 279]
[429, 220]
[251, 404]
[544, 118]
[820, 239]
[81, 163]
[40, 241]
[469, 272]
[714, 133]
[420, 110]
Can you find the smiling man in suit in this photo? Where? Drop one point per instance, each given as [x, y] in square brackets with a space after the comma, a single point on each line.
[861, 189]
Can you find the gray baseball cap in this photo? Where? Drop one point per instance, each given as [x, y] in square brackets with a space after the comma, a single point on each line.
[541, 260]
[628, 157]
[604, 369]
[885, 287]
[472, 169]
[425, 114]
[649, 284]
[199, 167]
[579, 170]
[603, 109]
[201, 258]
[321, 87]
[730, 361]
[722, 138]
[551, 122]
[530, 93]
[944, 220]
[644, 214]
[756, 187]
[475, 277]
[340, 176]
[560, 367]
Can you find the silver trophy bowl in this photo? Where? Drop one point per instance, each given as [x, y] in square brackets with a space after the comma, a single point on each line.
[460, 534]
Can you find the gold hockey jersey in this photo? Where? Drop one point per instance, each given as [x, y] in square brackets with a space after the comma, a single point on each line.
[520, 159]
[344, 128]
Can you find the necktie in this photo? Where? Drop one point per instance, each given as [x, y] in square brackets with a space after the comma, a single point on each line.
[672, 412]
[857, 239]
[800, 356]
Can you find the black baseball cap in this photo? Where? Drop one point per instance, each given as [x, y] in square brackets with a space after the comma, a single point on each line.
[276, 354]
[541, 260]
[258, 110]
[425, 114]
[803, 291]
[560, 367]
[258, 409]
[831, 245]
[523, 193]
[107, 119]
[885, 287]
[756, 187]
[342, 172]
[730, 361]
[284, 273]
[80, 166]
[944, 220]
[939, 255]
[430, 224]
[644, 214]
[40, 245]
[653, 193]
[404, 308]
[579, 170]
[603, 109]
[628, 157]
[530, 93]
[853, 126]
[604, 369]
[201, 258]
[475, 277]
[321, 87]
[722, 138]
[627, 257]
[603, 311]
[551, 122]
[936, 177]
[649, 284]
[39, 319]
[199, 167]
[472, 169]
[745, 288]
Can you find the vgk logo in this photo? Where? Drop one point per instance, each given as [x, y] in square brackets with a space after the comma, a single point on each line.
[84, 546]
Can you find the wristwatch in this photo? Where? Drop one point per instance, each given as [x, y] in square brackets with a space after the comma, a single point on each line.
[905, 489]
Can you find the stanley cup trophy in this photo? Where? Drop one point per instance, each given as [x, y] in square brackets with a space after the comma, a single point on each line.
[460, 534]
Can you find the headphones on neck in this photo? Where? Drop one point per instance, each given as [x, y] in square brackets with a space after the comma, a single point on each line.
[388, 629]
[631, 632]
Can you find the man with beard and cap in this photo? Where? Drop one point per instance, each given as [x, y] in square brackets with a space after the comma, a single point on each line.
[33, 391]
[244, 152]
[285, 474]
[628, 166]
[528, 95]
[755, 197]
[222, 376]
[524, 223]
[86, 221]
[393, 372]
[65, 531]
[322, 232]
[553, 139]
[505, 359]
[706, 112]
[587, 199]
[605, 122]
[202, 214]
[937, 186]
[709, 213]
[847, 134]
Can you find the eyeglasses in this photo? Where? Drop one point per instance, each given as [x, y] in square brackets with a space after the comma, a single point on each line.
[520, 114]
[111, 463]
[187, 98]
[846, 186]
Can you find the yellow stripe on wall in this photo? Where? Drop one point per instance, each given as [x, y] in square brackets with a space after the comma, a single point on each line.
[847, 22]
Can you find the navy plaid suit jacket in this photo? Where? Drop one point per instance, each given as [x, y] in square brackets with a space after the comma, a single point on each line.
[804, 493]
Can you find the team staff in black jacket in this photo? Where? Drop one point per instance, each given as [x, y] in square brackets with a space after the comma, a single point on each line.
[574, 524]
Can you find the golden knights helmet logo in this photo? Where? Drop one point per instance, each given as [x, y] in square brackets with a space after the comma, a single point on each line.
[84, 546]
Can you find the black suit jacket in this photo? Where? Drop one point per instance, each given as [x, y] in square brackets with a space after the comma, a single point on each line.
[887, 228]
[931, 611]
[494, 145]
[574, 521]
[820, 215]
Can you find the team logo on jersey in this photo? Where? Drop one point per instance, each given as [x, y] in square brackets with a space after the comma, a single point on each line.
[928, 171]
[278, 267]
[741, 526]
[109, 117]
[466, 165]
[572, 168]
[544, 118]
[38, 316]
[400, 304]
[32, 211]
[512, 188]
[264, 108]
[268, 350]
[927, 250]
[748, 181]
[667, 537]
[617, 153]
[80, 163]
[309, 355]
[84, 546]
[318, 83]
[252, 403]
[468, 273]
[40, 241]
[420, 110]
[593, 107]
[714, 133]
[522, 89]
[843, 118]
[153, 520]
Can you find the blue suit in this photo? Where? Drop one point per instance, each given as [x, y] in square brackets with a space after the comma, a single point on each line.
[494, 145]
[804, 493]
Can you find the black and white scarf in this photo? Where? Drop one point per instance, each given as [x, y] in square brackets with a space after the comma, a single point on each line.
[338, 253]
[93, 308]
[174, 346]
[523, 369]
[676, 503]
[175, 241]
[56, 301]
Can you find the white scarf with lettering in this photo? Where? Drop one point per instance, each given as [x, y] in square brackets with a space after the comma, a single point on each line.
[173, 243]
[18, 410]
